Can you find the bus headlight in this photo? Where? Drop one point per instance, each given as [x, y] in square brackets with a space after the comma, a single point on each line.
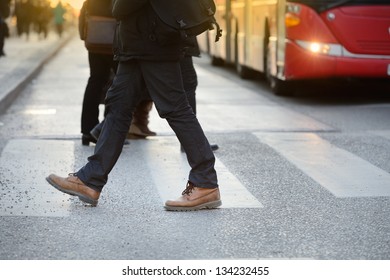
[321, 48]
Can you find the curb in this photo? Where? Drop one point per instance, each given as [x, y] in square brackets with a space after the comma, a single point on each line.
[10, 96]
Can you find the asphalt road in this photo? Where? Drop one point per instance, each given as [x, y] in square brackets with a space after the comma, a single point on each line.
[301, 178]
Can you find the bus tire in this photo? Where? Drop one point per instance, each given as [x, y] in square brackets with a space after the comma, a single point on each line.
[216, 61]
[278, 87]
[281, 88]
[244, 72]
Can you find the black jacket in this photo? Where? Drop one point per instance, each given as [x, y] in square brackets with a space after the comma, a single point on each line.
[191, 47]
[142, 35]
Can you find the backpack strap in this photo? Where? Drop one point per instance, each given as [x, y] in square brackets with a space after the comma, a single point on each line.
[218, 33]
[211, 12]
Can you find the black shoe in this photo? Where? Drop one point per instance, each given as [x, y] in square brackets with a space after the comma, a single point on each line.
[86, 139]
[214, 147]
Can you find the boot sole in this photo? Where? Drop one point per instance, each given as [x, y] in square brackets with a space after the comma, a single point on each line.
[208, 205]
[81, 196]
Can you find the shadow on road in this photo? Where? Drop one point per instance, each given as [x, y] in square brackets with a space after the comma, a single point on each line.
[343, 92]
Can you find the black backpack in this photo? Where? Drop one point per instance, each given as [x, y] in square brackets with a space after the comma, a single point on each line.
[189, 17]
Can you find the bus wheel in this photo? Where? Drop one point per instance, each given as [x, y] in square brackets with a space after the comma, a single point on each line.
[215, 61]
[244, 72]
[281, 88]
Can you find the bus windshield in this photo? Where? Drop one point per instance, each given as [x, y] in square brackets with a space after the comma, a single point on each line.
[323, 5]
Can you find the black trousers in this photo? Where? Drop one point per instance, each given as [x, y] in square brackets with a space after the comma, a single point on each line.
[190, 80]
[163, 81]
[101, 68]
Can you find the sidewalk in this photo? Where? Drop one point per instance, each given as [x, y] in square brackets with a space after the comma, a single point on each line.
[23, 61]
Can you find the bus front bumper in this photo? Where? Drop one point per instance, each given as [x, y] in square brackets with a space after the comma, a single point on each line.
[302, 63]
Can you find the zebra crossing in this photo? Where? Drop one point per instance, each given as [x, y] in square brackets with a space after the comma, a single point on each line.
[339, 171]
[25, 163]
[225, 107]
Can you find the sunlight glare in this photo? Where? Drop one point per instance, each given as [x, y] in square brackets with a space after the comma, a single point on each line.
[74, 3]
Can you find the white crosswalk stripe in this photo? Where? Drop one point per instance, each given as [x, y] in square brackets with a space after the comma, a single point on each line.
[341, 172]
[382, 133]
[169, 165]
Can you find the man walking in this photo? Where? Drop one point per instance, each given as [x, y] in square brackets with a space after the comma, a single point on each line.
[149, 56]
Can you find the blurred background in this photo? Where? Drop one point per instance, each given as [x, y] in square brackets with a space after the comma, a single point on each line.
[39, 17]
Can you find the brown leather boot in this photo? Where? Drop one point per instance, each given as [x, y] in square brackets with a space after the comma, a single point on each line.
[195, 198]
[139, 125]
[74, 186]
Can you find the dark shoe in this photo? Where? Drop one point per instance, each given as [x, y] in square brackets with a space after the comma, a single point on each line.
[214, 147]
[195, 198]
[74, 186]
[87, 138]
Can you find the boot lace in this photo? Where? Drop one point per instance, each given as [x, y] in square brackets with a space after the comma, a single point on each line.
[189, 188]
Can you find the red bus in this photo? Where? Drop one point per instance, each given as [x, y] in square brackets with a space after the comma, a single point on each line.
[300, 40]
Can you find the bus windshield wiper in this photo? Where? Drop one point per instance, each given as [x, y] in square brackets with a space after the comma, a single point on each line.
[336, 4]
[344, 2]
